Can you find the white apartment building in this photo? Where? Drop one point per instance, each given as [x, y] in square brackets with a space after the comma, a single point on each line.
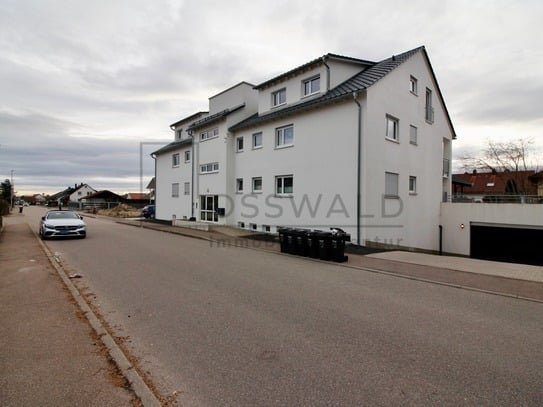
[337, 142]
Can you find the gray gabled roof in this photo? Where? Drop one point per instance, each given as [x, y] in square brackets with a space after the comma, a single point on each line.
[187, 119]
[310, 65]
[173, 146]
[357, 83]
[215, 117]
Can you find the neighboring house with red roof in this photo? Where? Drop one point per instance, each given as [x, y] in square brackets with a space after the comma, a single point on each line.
[537, 179]
[494, 186]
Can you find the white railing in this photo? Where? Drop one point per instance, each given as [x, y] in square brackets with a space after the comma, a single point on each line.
[515, 199]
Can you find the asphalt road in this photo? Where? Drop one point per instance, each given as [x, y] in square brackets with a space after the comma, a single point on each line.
[231, 326]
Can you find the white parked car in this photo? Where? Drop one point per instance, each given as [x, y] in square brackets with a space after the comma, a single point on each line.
[62, 224]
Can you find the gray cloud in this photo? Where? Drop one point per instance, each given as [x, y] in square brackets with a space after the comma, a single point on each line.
[82, 83]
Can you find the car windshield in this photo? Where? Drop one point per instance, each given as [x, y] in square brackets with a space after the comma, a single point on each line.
[62, 215]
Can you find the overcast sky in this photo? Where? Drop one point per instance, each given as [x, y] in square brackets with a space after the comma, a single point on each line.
[83, 83]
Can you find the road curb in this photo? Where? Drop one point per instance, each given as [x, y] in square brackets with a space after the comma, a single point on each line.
[140, 388]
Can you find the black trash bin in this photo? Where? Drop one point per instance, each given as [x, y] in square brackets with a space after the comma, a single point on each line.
[301, 237]
[292, 238]
[325, 245]
[313, 244]
[339, 237]
[283, 239]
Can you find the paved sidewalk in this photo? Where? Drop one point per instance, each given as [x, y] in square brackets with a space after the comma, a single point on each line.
[492, 268]
[49, 355]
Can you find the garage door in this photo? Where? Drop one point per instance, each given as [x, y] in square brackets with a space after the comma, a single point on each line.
[509, 243]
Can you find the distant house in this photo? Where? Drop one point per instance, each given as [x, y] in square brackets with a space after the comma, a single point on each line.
[151, 188]
[102, 199]
[493, 186]
[38, 199]
[137, 199]
[72, 195]
[537, 180]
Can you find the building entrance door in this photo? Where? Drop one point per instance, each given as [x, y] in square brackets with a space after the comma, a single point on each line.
[208, 208]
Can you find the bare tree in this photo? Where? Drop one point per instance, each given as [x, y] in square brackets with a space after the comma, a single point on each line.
[508, 160]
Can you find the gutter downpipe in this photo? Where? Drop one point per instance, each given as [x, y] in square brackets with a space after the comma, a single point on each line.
[192, 175]
[150, 197]
[327, 73]
[358, 169]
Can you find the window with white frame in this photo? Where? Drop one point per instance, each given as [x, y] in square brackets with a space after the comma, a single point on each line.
[175, 190]
[311, 86]
[393, 132]
[284, 136]
[257, 184]
[206, 135]
[257, 140]
[413, 134]
[413, 85]
[178, 134]
[209, 168]
[239, 185]
[187, 156]
[239, 144]
[391, 185]
[284, 185]
[187, 188]
[279, 97]
[175, 160]
[412, 185]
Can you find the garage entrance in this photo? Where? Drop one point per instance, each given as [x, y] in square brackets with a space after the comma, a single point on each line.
[508, 243]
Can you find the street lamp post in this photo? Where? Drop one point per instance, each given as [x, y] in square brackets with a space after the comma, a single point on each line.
[12, 187]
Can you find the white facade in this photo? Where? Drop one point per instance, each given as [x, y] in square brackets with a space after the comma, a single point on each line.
[295, 151]
[80, 192]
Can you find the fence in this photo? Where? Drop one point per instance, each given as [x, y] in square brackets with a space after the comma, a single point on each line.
[518, 199]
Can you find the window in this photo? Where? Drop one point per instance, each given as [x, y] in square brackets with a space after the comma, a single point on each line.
[253, 226]
[257, 140]
[257, 184]
[239, 144]
[311, 86]
[239, 185]
[412, 185]
[266, 228]
[241, 225]
[175, 160]
[284, 185]
[429, 109]
[209, 168]
[413, 85]
[284, 136]
[178, 134]
[392, 129]
[187, 188]
[413, 135]
[187, 156]
[175, 190]
[206, 135]
[391, 185]
[279, 97]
